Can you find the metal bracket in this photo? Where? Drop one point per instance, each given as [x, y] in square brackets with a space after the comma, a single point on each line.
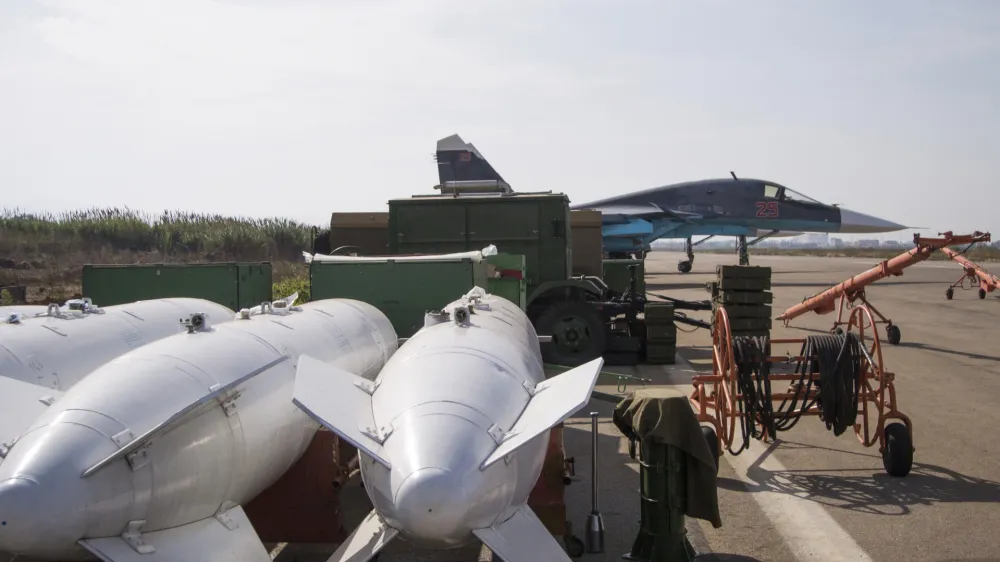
[368, 386]
[123, 438]
[5, 448]
[379, 434]
[223, 516]
[497, 433]
[229, 404]
[532, 389]
[138, 458]
[133, 537]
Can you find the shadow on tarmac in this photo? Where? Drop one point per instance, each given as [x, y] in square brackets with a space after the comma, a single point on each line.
[949, 351]
[866, 492]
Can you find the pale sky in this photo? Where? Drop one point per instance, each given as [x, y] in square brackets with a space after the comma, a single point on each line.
[299, 109]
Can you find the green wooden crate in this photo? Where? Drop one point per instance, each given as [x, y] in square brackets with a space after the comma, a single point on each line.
[402, 290]
[744, 284]
[231, 284]
[743, 272]
[657, 311]
[617, 277]
[744, 297]
[748, 311]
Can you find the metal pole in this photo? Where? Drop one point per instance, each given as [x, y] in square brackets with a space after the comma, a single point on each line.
[595, 523]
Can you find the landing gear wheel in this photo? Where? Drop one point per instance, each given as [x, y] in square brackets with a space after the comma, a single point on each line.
[578, 333]
[982, 294]
[684, 266]
[949, 293]
[713, 444]
[897, 457]
[892, 332]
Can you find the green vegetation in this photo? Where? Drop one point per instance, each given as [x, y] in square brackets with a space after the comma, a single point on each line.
[173, 233]
[291, 285]
[47, 251]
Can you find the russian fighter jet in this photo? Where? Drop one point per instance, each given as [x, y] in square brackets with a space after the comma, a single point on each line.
[738, 207]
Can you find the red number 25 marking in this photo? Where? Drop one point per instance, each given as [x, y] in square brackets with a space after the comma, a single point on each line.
[767, 209]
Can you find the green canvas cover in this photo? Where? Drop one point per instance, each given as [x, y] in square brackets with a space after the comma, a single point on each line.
[664, 415]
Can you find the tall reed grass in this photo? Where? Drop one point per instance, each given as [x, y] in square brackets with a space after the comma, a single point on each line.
[172, 234]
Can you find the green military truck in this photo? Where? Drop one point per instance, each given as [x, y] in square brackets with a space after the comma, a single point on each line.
[584, 317]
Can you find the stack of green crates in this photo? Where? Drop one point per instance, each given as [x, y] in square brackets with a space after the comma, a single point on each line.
[661, 333]
[745, 291]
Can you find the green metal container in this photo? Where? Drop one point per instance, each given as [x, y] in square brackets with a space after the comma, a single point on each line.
[402, 290]
[616, 275]
[536, 226]
[236, 285]
[506, 278]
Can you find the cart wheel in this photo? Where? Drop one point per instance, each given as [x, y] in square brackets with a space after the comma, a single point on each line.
[684, 266]
[892, 332]
[949, 293]
[898, 455]
[713, 444]
[574, 546]
[982, 294]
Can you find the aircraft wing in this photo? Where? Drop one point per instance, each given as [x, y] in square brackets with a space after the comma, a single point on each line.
[227, 537]
[22, 404]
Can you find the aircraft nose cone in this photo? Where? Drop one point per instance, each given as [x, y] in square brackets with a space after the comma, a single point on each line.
[854, 222]
[431, 506]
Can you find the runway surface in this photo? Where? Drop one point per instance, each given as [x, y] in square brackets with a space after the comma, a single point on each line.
[814, 496]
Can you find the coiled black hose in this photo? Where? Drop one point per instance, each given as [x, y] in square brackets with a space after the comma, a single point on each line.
[837, 360]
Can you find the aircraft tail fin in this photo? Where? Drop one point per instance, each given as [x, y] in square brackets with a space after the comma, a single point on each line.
[341, 402]
[226, 537]
[553, 401]
[364, 544]
[522, 537]
[459, 161]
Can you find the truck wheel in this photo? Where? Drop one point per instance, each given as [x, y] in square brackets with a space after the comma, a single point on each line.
[578, 333]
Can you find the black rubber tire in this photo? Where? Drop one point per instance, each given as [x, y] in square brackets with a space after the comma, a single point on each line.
[982, 294]
[949, 293]
[898, 455]
[713, 444]
[574, 546]
[594, 324]
[893, 334]
[684, 266]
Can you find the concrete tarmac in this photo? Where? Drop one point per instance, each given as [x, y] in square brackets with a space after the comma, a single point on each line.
[947, 368]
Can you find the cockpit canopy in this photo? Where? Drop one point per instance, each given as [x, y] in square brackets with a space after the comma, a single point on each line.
[782, 193]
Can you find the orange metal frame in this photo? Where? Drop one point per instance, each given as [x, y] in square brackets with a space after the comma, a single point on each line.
[853, 290]
[977, 276]
[716, 398]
